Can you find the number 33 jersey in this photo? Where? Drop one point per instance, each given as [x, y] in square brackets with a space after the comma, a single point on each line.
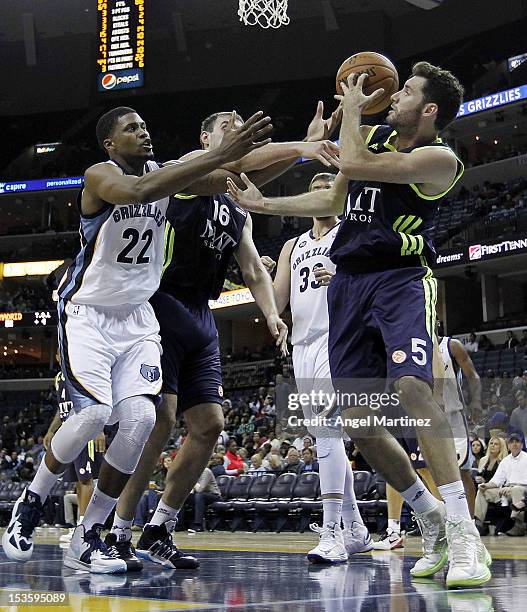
[121, 256]
[308, 299]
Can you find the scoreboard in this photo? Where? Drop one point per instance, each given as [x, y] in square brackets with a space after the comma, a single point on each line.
[121, 44]
[41, 318]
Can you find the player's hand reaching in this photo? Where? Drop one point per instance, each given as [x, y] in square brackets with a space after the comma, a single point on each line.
[324, 151]
[320, 128]
[268, 263]
[100, 443]
[237, 142]
[322, 275]
[354, 98]
[250, 198]
[47, 439]
[279, 332]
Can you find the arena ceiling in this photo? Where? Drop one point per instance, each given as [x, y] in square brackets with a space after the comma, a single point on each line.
[59, 17]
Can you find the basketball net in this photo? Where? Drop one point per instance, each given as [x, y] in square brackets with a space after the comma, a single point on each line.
[265, 13]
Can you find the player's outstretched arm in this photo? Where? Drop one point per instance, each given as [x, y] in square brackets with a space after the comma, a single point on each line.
[433, 167]
[106, 183]
[321, 203]
[467, 367]
[52, 430]
[260, 284]
[282, 280]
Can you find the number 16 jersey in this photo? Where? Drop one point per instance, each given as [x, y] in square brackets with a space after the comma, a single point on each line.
[121, 256]
[308, 299]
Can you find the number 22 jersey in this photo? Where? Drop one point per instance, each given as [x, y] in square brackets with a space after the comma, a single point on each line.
[121, 256]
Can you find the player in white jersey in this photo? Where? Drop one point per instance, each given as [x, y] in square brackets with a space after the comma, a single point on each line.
[456, 364]
[108, 334]
[303, 273]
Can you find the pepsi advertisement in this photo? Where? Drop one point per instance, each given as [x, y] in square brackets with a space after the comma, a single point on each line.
[121, 50]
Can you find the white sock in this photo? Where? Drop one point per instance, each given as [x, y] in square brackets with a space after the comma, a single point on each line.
[43, 481]
[332, 509]
[80, 518]
[394, 525]
[453, 495]
[121, 528]
[98, 509]
[350, 508]
[163, 514]
[419, 498]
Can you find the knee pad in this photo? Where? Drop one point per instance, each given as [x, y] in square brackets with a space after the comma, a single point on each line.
[78, 430]
[136, 417]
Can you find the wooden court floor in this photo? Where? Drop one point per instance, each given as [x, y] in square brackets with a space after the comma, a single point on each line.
[267, 572]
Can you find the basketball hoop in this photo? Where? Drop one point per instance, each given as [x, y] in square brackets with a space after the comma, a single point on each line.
[265, 13]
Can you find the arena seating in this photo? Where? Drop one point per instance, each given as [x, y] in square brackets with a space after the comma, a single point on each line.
[288, 501]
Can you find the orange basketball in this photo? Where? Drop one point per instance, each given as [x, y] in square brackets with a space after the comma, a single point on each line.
[381, 73]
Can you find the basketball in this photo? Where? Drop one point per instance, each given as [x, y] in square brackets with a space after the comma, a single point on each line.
[381, 73]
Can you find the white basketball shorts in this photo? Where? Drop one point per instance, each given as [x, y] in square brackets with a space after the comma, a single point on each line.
[109, 353]
[312, 374]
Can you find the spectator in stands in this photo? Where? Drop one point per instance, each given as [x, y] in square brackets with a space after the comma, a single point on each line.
[487, 465]
[280, 434]
[509, 482]
[498, 424]
[26, 470]
[205, 492]
[257, 441]
[160, 473]
[484, 343]
[478, 451]
[471, 345]
[303, 442]
[517, 381]
[269, 407]
[256, 465]
[275, 463]
[511, 341]
[518, 420]
[246, 426]
[523, 339]
[216, 465]
[309, 463]
[292, 461]
[244, 455]
[233, 463]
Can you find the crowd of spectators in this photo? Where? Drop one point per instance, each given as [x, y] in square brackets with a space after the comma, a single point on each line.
[24, 297]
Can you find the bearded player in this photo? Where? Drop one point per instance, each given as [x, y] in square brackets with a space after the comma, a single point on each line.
[382, 298]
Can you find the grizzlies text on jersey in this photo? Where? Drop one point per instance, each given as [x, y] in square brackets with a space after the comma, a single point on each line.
[121, 254]
[309, 304]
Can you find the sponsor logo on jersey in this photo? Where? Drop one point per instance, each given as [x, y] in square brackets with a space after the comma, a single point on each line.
[362, 209]
[302, 244]
[150, 373]
[398, 356]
